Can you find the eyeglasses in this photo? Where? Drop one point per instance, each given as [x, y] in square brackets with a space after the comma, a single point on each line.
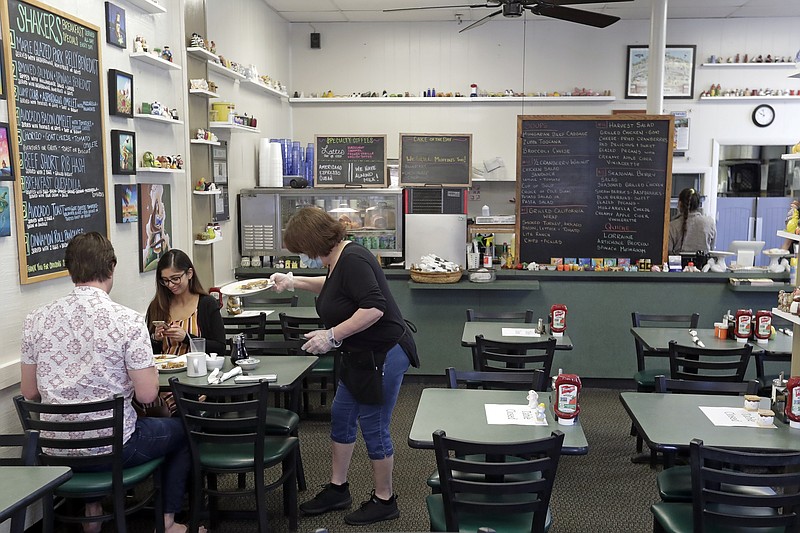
[172, 280]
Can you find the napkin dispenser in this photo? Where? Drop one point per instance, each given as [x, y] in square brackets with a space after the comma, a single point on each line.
[779, 398]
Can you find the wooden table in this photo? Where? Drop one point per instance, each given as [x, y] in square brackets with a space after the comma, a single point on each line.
[657, 340]
[289, 369]
[460, 413]
[668, 422]
[24, 485]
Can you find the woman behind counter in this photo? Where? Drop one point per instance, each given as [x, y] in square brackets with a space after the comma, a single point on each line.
[365, 322]
[691, 231]
[184, 307]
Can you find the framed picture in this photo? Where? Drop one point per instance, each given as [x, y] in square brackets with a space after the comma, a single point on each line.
[6, 161]
[2, 73]
[5, 212]
[115, 25]
[155, 224]
[123, 152]
[120, 93]
[126, 203]
[679, 61]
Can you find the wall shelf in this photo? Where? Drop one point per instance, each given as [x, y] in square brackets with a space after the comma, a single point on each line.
[787, 235]
[734, 98]
[201, 53]
[148, 6]
[790, 157]
[773, 65]
[207, 193]
[209, 241]
[262, 87]
[203, 141]
[451, 100]
[157, 170]
[232, 127]
[150, 59]
[213, 66]
[466, 285]
[157, 118]
[203, 92]
[794, 319]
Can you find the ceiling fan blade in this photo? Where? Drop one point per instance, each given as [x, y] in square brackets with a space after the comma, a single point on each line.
[572, 2]
[480, 22]
[487, 4]
[598, 20]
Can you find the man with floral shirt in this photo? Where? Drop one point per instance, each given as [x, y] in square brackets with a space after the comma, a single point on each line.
[84, 347]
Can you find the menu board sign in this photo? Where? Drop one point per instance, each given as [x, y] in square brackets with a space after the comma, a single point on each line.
[435, 159]
[591, 188]
[350, 161]
[57, 129]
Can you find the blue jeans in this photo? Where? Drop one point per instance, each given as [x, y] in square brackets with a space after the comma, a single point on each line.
[347, 414]
[162, 437]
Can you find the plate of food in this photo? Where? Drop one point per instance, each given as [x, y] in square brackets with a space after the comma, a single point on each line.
[246, 287]
[163, 357]
[169, 367]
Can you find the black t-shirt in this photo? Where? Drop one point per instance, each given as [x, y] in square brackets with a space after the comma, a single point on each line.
[358, 282]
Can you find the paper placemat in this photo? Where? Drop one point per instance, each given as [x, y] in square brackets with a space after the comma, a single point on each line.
[254, 313]
[519, 415]
[519, 332]
[733, 417]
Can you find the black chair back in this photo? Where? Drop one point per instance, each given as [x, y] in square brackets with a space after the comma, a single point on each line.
[25, 446]
[99, 450]
[473, 379]
[721, 477]
[505, 316]
[294, 327]
[665, 384]
[274, 347]
[694, 363]
[253, 327]
[641, 320]
[497, 356]
[473, 478]
[266, 299]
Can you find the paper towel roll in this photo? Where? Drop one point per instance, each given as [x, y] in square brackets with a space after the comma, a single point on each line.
[264, 159]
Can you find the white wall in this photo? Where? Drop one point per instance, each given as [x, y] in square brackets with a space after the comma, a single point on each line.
[541, 55]
[254, 35]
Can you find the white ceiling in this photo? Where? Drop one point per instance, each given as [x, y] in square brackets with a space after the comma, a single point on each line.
[372, 10]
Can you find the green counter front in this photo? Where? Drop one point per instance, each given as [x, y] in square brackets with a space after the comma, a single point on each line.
[599, 310]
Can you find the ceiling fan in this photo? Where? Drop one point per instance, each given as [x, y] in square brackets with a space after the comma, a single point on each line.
[546, 8]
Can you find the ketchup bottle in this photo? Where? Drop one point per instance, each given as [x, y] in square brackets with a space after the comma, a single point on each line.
[558, 319]
[763, 326]
[743, 324]
[567, 391]
[793, 402]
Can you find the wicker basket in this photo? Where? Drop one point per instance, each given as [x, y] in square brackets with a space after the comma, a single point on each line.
[435, 277]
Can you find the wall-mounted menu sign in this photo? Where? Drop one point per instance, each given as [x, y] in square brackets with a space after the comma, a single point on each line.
[593, 187]
[57, 127]
[350, 161]
[435, 159]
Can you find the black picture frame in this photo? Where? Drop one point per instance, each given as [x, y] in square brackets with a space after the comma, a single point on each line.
[3, 94]
[7, 167]
[123, 152]
[120, 93]
[680, 62]
[116, 26]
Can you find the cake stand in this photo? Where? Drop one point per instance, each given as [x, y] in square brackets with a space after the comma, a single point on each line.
[777, 261]
[716, 262]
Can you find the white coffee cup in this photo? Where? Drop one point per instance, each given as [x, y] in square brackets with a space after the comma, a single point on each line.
[196, 364]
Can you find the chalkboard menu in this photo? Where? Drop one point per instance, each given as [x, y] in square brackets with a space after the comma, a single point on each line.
[350, 161]
[435, 159]
[593, 187]
[57, 128]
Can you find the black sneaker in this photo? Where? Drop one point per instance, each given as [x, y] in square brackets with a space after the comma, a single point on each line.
[373, 510]
[330, 498]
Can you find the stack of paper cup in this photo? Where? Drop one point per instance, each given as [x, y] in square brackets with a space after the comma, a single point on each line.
[275, 165]
[264, 157]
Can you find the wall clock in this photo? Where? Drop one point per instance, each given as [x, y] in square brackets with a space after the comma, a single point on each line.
[763, 115]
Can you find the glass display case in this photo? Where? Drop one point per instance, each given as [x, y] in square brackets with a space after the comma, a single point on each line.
[373, 218]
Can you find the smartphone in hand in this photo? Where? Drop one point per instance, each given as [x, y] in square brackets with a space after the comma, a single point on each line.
[157, 323]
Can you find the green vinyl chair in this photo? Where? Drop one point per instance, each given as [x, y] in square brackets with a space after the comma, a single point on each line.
[55, 422]
[720, 505]
[480, 490]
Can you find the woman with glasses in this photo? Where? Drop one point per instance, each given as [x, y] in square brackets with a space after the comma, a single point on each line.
[182, 309]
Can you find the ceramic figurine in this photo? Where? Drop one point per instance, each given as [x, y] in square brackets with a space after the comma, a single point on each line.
[173, 113]
[201, 185]
[148, 160]
[178, 160]
[139, 45]
[155, 108]
[164, 160]
[197, 41]
[212, 47]
[166, 54]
